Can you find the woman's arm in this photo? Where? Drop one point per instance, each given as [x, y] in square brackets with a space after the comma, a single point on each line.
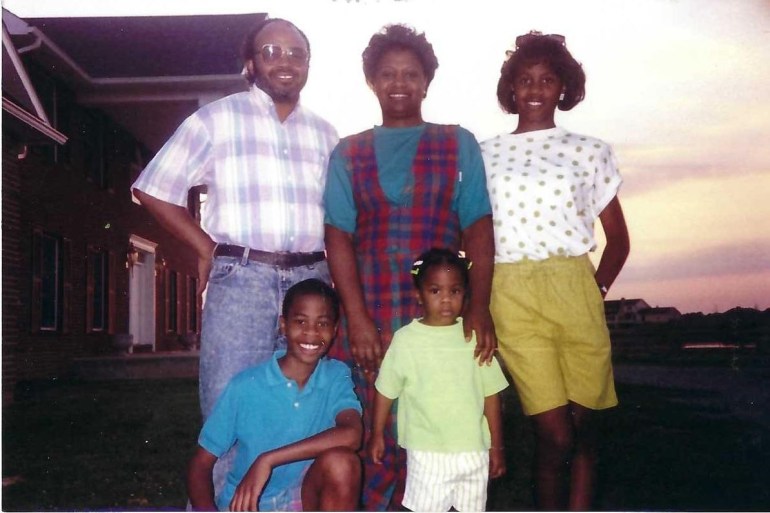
[478, 243]
[617, 248]
[365, 341]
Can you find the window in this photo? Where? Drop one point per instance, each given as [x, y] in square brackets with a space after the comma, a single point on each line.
[56, 104]
[196, 197]
[51, 287]
[99, 290]
[171, 302]
[192, 304]
[92, 132]
[50, 275]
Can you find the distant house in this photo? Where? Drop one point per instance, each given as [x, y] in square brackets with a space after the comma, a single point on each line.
[659, 315]
[624, 313]
[86, 103]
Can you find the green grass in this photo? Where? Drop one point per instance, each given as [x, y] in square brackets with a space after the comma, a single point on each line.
[105, 446]
[124, 445]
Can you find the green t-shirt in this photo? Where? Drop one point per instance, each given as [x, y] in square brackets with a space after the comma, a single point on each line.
[440, 388]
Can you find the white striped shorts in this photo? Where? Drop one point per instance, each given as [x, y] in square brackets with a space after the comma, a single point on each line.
[437, 481]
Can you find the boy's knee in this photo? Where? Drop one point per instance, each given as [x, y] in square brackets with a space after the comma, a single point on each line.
[333, 482]
[340, 465]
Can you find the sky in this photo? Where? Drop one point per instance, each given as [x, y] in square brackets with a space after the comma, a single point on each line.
[680, 89]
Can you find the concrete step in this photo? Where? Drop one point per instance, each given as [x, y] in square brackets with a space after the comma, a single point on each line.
[177, 364]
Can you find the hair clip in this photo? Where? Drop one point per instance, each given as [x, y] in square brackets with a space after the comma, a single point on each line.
[470, 264]
[415, 271]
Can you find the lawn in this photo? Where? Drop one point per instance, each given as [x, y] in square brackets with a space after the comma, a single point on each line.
[123, 445]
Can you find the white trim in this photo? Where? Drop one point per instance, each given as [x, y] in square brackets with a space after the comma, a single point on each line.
[142, 243]
[33, 121]
[22, 72]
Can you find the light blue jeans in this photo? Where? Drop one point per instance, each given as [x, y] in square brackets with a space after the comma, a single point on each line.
[240, 326]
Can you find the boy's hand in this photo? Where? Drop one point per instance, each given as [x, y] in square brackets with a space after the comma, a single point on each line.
[376, 448]
[496, 462]
[246, 497]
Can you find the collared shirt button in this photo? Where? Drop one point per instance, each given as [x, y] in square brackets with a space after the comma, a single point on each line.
[288, 385]
[296, 405]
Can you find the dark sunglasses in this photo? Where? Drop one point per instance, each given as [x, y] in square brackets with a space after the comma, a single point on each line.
[528, 38]
[271, 54]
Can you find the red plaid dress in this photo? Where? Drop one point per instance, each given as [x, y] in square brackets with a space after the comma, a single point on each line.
[387, 240]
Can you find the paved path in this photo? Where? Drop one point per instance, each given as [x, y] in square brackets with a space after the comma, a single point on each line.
[743, 392]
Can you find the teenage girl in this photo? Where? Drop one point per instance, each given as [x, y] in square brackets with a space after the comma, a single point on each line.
[547, 186]
[448, 412]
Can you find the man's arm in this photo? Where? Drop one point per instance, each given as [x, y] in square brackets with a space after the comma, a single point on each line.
[365, 341]
[178, 221]
[478, 243]
[618, 245]
[200, 488]
[346, 433]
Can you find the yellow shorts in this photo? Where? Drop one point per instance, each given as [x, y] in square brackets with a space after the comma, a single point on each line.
[552, 333]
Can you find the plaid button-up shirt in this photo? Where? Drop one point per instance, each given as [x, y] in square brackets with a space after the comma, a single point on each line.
[265, 178]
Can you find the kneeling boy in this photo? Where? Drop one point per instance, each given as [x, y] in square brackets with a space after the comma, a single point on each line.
[294, 418]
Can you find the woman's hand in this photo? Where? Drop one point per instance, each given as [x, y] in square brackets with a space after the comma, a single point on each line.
[365, 344]
[480, 321]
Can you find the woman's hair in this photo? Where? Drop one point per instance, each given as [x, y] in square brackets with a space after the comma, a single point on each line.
[247, 49]
[439, 257]
[311, 287]
[535, 48]
[399, 37]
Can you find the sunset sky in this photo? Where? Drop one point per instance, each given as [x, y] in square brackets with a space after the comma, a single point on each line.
[680, 88]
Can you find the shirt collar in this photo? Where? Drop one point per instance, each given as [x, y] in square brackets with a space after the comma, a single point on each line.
[275, 376]
[263, 99]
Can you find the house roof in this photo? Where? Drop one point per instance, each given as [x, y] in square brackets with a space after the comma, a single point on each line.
[150, 46]
[660, 310]
[614, 306]
[146, 72]
[22, 109]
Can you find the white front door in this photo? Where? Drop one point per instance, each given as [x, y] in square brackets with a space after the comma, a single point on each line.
[141, 323]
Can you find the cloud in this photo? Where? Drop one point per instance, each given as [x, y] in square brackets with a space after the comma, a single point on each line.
[723, 259]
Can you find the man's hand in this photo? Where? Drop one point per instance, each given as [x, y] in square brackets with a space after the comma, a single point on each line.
[246, 497]
[204, 270]
[480, 321]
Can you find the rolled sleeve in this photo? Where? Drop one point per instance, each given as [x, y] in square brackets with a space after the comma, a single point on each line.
[343, 396]
[179, 165]
[607, 180]
[390, 382]
[473, 198]
[339, 204]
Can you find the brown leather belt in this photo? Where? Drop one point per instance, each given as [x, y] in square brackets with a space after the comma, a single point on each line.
[280, 260]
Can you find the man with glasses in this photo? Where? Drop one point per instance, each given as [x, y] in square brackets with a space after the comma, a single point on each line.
[263, 158]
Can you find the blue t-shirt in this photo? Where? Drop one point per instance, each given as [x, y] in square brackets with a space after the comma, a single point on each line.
[395, 149]
[261, 409]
